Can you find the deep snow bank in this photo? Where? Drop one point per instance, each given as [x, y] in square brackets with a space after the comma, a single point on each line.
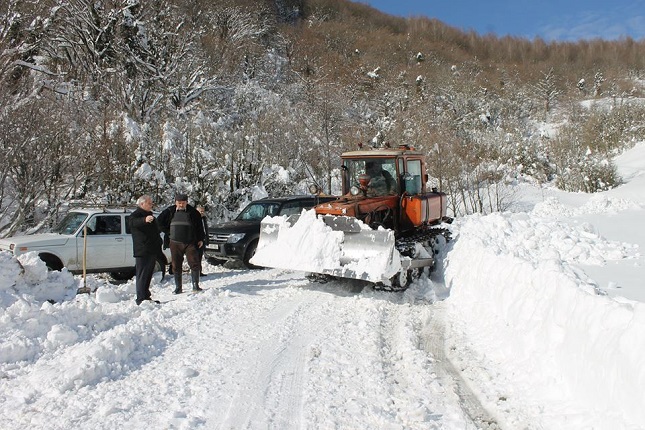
[26, 276]
[525, 307]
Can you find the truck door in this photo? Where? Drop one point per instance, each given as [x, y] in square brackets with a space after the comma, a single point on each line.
[106, 242]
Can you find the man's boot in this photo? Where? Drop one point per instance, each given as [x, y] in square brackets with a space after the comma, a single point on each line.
[177, 283]
[194, 274]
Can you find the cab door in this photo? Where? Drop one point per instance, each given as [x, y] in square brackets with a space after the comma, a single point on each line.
[106, 242]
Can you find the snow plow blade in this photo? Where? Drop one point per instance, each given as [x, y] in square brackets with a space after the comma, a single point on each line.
[331, 245]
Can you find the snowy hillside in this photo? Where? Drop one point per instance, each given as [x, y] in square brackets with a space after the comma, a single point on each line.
[534, 320]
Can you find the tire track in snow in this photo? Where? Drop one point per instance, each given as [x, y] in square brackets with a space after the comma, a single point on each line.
[277, 364]
[391, 320]
[434, 342]
[414, 387]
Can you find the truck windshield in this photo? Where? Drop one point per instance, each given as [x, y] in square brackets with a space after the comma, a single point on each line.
[70, 223]
[371, 166]
[257, 211]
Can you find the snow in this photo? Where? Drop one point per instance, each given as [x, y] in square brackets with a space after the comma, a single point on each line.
[306, 231]
[534, 319]
[368, 253]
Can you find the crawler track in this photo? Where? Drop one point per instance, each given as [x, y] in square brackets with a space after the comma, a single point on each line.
[429, 238]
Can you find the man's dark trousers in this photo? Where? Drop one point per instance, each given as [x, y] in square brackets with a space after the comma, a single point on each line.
[144, 267]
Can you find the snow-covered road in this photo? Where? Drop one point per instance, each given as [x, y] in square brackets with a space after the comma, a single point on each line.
[531, 321]
[257, 350]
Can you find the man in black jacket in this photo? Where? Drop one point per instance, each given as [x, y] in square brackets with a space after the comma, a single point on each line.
[146, 246]
[182, 224]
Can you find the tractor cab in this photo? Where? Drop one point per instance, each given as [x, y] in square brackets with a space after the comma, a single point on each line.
[386, 187]
[383, 172]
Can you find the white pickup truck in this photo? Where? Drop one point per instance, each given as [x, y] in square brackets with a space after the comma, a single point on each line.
[99, 236]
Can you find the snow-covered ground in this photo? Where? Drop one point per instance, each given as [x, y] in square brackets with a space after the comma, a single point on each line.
[534, 320]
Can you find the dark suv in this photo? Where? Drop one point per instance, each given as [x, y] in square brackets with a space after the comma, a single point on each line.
[238, 239]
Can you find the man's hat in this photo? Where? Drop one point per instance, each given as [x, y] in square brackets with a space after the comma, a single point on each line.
[181, 197]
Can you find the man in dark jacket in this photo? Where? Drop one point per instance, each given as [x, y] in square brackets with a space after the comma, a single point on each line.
[183, 226]
[146, 246]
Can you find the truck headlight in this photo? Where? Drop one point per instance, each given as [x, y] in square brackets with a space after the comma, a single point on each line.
[235, 237]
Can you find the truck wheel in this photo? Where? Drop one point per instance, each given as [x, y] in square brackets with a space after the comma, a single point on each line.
[250, 252]
[122, 276]
[415, 274]
[52, 262]
[402, 280]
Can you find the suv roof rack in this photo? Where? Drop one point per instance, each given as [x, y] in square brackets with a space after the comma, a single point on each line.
[103, 206]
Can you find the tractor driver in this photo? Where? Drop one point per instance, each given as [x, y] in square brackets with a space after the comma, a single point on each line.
[381, 182]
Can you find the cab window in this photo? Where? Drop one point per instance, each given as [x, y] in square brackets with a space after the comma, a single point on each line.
[105, 225]
[412, 177]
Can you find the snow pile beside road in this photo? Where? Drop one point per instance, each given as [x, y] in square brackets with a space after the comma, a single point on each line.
[597, 204]
[527, 308]
[27, 275]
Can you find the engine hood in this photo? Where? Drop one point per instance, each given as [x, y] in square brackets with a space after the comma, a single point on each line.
[35, 240]
[235, 226]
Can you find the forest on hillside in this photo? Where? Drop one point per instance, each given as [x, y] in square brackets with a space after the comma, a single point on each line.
[104, 100]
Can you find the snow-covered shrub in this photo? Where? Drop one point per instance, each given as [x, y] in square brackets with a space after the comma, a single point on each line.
[579, 167]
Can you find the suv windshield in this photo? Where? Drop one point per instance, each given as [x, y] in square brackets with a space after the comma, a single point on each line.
[258, 210]
[70, 223]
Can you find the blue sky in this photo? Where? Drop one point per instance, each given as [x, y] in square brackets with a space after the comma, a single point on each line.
[564, 20]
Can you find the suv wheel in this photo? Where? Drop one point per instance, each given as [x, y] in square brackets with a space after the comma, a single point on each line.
[250, 252]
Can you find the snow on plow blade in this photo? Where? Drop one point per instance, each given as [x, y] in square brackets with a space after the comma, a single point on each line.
[337, 246]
